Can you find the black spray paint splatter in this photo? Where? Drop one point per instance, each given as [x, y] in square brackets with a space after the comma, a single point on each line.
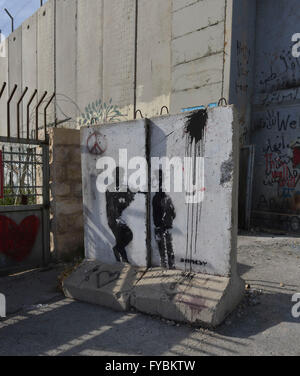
[195, 126]
[195, 138]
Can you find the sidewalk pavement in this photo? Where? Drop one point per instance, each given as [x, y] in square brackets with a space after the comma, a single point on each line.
[41, 321]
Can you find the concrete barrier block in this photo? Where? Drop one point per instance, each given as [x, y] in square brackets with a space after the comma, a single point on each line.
[197, 299]
[107, 215]
[106, 285]
[202, 234]
[189, 229]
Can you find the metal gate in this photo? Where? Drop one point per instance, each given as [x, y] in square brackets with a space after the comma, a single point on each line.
[24, 190]
[24, 206]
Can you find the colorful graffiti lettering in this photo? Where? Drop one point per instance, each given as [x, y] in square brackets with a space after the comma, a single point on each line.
[279, 172]
[17, 241]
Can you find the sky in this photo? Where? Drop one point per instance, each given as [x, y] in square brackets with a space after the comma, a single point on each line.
[19, 9]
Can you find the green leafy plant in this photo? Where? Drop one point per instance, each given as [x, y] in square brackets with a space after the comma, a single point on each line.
[13, 200]
[99, 113]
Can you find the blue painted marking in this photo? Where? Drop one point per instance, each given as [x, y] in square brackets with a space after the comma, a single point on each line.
[188, 109]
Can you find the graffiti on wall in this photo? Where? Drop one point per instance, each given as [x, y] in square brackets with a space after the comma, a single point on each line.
[283, 73]
[243, 61]
[279, 143]
[17, 241]
[122, 201]
[99, 112]
[243, 67]
[97, 143]
[195, 129]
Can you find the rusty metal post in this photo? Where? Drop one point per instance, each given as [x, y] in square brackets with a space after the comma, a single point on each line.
[11, 18]
[45, 113]
[18, 110]
[2, 89]
[8, 109]
[28, 106]
[37, 115]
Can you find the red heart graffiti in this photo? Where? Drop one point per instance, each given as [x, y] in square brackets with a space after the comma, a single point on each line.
[17, 241]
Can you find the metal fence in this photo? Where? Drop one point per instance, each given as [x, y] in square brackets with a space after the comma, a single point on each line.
[23, 149]
[22, 167]
[25, 131]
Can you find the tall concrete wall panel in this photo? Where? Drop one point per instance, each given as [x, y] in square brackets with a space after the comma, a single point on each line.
[66, 60]
[197, 53]
[209, 41]
[29, 70]
[89, 52]
[3, 78]
[196, 16]
[241, 62]
[275, 126]
[15, 74]
[206, 71]
[119, 54]
[46, 57]
[180, 4]
[154, 56]
[195, 97]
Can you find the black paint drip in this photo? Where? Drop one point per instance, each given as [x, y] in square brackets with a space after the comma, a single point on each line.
[195, 131]
[195, 126]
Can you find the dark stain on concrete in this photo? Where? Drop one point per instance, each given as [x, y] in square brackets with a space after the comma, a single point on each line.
[226, 171]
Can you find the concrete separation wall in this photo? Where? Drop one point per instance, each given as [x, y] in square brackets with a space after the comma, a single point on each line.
[197, 52]
[137, 54]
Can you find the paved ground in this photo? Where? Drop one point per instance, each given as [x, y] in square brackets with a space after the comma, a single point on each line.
[42, 322]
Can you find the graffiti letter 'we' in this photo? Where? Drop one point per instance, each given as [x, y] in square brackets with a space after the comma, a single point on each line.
[2, 306]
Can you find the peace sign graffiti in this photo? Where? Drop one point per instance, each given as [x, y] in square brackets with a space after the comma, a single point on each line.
[97, 143]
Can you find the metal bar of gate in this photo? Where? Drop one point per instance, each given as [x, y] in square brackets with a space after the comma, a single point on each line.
[15, 140]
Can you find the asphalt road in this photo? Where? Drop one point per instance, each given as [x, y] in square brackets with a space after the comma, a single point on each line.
[41, 321]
